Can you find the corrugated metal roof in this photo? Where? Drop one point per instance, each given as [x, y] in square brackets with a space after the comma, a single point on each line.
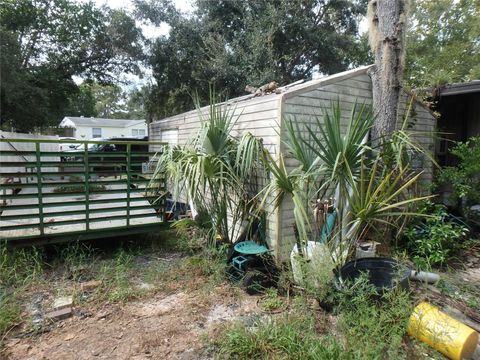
[461, 88]
[305, 85]
[287, 90]
[91, 121]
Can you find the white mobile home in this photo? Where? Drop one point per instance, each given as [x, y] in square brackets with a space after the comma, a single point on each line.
[264, 116]
[84, 128]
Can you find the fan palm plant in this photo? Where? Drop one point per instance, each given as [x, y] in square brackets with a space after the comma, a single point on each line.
[215, 170]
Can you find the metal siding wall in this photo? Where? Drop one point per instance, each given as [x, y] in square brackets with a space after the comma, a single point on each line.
[257, 115]
[304, 106]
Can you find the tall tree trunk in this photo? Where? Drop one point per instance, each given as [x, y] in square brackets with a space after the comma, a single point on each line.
[387, 27]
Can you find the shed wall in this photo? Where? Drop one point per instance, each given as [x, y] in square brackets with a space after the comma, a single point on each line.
[303, 107]
[258, 116]
[263, 117]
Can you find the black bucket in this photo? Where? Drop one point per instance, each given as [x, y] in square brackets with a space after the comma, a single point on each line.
[383, 273]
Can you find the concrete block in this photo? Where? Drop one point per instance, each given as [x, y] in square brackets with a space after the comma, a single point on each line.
[61, 314]
[62, 302]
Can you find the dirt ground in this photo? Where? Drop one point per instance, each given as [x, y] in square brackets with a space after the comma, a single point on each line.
[165, 326]
[173, 317]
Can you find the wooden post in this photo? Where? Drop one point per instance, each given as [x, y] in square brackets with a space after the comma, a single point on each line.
[38, 156]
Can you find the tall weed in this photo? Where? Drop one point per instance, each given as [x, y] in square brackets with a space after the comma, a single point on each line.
[374, 327]
[116, 276]
[292, 336]
[19, 266]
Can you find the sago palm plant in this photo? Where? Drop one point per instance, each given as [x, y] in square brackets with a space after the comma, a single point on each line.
[334, 159]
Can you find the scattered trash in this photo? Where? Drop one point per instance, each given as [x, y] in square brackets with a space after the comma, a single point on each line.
[383, 273]
[61, 314]
[252, 266]
[221, 313]
[366, 249]
[62, 302]
[424, 276]
[449, 336]
[36, 309]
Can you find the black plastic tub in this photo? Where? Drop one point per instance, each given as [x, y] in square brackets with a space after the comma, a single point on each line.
[383, 273]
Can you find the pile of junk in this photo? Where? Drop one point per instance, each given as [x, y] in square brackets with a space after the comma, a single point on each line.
[252, 265]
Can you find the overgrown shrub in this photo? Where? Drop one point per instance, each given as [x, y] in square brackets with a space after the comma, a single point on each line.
[374, 329]
[464, 178]
[431, 240]
[191, 236]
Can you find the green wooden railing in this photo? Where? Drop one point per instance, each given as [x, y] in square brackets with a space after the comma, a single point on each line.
[45, 192]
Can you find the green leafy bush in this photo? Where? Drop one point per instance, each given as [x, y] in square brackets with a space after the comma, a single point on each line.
[432, 240]
[465, 177]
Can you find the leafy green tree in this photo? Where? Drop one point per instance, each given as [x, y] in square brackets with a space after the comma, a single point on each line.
[83, 102]
[137, 102]
[232, 43]
[443, 42]
[47, 42]
[110, 101]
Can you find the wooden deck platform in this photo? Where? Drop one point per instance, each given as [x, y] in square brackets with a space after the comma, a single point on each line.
[45, 194]
[145, 215]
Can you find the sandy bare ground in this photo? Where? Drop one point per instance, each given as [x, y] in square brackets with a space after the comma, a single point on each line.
[164, 326]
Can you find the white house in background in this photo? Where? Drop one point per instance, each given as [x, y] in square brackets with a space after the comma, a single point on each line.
[90, 127]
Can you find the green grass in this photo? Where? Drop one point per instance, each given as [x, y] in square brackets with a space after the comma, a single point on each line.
[116, 275]
[272, 302]
[374, 328]
[19, 268]
[291, 336]
[368, 326]
[10, 312]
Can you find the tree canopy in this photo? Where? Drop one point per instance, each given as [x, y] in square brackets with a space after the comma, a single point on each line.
[443, 42]
[45, 43]
[107, 101]
[232, 43]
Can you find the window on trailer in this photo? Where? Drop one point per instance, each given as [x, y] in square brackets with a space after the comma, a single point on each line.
[138, 132]
[96, 133]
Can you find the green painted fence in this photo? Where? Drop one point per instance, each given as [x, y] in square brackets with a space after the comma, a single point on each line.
[100, 189]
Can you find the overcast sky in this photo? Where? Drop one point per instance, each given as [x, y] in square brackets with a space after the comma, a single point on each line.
[149, 31]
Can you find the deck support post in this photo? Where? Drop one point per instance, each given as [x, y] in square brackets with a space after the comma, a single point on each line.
[87, 187]
[129, 179]
[39, 188]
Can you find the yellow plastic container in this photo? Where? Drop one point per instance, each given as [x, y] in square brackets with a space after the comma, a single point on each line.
[442, 332]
